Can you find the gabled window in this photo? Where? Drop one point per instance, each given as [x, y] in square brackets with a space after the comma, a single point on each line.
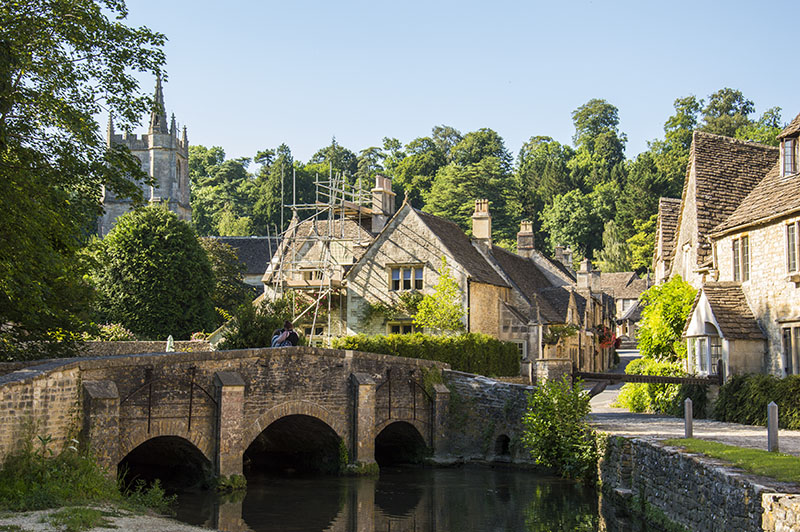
[741, 259]
[791, 247]
[789, 163]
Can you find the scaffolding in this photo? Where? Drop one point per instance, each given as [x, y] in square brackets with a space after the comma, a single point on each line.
[309, 263]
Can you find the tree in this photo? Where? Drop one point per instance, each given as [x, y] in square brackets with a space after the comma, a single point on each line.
[442, 311]
[766, 130]
[274, 188]
[615, 255]
[229, 288]
[642, 244]
[253, 324]
[415, 173]
[154, 276]
[598, 137]
[61, 63]
[572, 220]
[644, 185]
[334, 158]
[727, 111]
[665, 310]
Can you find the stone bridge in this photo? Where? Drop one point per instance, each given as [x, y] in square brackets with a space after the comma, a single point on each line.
[296, 405]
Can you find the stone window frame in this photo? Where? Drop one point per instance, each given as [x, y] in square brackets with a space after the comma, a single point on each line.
[402, 326]
[415, 278]
[740, 248]
[789, 156]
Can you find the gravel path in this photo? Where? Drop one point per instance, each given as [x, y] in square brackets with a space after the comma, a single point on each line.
[620, 422]
[33, 522]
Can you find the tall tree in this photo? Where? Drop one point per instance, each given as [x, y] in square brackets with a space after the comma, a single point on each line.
[273, 189]
[671, 155]
[615, 255]
[727, 110]
[765, 130]
[415, 172]
[445, 138]
[600, 145]
[336, 158]
[61, 64]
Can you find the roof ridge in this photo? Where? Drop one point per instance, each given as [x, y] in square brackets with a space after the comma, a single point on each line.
[743, 142]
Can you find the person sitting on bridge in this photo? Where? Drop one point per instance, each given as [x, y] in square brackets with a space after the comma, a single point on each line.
[285, 337]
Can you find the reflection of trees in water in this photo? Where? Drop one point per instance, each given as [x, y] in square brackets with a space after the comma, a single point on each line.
[561, 507]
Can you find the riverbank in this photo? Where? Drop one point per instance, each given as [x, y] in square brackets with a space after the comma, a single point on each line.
[121, 520]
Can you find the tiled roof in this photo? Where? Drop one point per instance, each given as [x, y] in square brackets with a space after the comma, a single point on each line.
[726, 171]
[254, 252]
[791, 129]
[622, 285]
[668, 211]
[634, 313]
[554, 304]
[461, 248]
[773, 197]
[523, 272]
[730, 308]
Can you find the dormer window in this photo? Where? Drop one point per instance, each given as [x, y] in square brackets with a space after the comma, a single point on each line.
[789, 163]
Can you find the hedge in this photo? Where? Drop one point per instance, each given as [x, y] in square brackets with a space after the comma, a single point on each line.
[744, 399]
[469, 352]
[661, 398]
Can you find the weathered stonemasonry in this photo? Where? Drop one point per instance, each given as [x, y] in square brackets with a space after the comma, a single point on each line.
[696, 492]
[484, 418]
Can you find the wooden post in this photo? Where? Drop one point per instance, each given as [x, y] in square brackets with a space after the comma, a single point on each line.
[772, 427]
[687, 418]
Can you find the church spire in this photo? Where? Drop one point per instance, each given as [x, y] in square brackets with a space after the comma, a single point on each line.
[158, 116]
[185, 139]
[172, 127]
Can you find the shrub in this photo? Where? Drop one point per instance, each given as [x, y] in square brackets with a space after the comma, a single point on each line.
[665, 310]
[469, 352]
[660, 398]
[744, 399]
[556, 432]
[253, 324]
[111, 332]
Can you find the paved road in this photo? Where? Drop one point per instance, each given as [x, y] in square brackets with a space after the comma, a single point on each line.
[620, 422]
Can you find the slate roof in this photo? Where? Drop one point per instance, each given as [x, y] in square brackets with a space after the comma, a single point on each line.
[523, 272]
[726, 171]
[772, 198]
[634, 313]
[791, 129]
[622, 285]
[668, 211]
[731, 310]
[254, 252]
[461, 248]
[554, 304]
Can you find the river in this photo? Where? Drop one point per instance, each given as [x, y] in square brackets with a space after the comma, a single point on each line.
[460, 499]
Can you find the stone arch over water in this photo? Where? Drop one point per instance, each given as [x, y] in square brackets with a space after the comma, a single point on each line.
[399, 442]
[174, 460]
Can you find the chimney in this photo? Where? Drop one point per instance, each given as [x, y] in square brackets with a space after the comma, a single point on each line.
[525, 245]
[564, 256]
[588, 278]
[482, 222]
[382, 203]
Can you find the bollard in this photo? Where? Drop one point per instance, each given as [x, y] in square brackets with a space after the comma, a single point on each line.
[772, 427]
[687, 418]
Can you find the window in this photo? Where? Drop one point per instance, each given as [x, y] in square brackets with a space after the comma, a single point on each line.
[522, 348]
[404, 327]
[788, 157]
[406, 278]
[741, 259]
[791, 247]
[706, 351]
[791, 350]
[312, 275]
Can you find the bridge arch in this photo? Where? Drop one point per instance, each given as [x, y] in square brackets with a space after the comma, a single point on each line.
[174, 460]
[399, 442]
[137, 435]
[292, 408]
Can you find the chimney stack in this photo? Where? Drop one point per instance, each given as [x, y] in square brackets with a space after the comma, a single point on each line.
[588, 278]
[382, 203]
[482, 222]
[525, 244]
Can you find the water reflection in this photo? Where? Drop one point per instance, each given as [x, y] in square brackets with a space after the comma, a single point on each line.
[460, 499]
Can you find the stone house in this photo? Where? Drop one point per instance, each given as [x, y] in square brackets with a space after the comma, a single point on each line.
[164, 156]
[625, 288]
[668, 211]
[511, 296]
[720, 173]
[750, 315]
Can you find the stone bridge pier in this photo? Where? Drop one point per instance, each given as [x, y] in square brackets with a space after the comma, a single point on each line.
[286, 407]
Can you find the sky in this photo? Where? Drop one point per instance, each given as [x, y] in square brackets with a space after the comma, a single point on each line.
[248, 76]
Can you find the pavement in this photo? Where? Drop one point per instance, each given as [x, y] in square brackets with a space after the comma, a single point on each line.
[620, 422]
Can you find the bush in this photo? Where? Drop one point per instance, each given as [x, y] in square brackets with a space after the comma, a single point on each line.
[469, 352]
[660, 398]
[111, 332]
[744, 399]
[253, 324]
[665, 310]
[556, 432]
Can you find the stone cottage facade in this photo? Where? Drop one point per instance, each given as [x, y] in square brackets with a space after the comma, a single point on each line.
[164, 157]
[747, 311]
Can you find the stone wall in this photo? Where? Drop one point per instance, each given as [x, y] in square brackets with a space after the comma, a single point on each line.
[103, 349]
[694, 491]
[481, 411]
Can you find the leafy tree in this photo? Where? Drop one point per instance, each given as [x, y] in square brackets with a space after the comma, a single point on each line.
[154, 276]
[416, 171]
[445, 138]
[336, 158]
[479, 145]
[61, 64]
[230, 291]
[556, 431]
[727, 111]
[671, 155]
[253, 324]
[572, 220]
[644, 185]
[666, 309]
[369, 164]
[766, 130]
[615, 255]
[442, 311]
[642, 244]
[600, 145]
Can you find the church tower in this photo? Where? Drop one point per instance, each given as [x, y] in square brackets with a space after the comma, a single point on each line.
[163, 155]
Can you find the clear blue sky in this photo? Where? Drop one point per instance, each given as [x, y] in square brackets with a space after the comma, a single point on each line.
[251, 75]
